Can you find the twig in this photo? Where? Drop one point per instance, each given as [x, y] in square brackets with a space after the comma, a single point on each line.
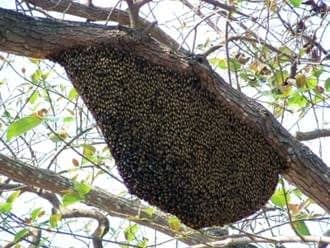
[212, 50]
[315, 134]
[103, 222]
[227, 49]
[133, 11]
[289, 213]
[226, 7]
[33, 232]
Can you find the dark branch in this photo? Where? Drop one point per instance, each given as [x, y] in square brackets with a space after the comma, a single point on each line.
[315, 134]
[114, 205]
[43, 38]
[246, 240]
[103, 222]
[95, 13]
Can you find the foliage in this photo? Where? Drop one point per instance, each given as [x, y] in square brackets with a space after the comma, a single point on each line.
[272, 51]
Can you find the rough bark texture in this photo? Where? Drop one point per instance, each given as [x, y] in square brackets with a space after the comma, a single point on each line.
[318, 133]
[112, 204]
[43, 38]
[95, 13]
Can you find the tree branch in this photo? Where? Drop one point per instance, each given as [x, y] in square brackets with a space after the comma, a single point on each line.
[133, 11]
[43, 38]
[89, 12]
[66, 213]
[114, 205]
[239, 240]
[226, 7]
[95, 13]
[33, 232]
[318, 133]
[13, 38]
[103, 223]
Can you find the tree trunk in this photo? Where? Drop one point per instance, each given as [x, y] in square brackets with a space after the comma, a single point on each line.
[44, 38]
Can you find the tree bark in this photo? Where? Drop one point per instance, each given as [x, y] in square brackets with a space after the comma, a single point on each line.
[44, 38]
[94, 13]
[315, 134]
[231, 242]
[112, 204]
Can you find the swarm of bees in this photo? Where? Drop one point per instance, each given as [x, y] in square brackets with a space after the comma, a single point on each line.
[175, 144]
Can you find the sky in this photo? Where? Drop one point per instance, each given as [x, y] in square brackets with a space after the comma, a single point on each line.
[173, 9]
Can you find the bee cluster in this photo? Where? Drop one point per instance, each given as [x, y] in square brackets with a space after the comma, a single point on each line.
[176, 146]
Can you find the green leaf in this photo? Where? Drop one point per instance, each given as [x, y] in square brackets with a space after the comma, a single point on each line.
[286, 52]
[68, 119]
[6, 207]
[278, 198]
[54, 219]
[222, 63]
[219, 62]
[55, 137]
[21, 234]
[149, 212]
[22, 125]
[295, 3]
[143, 243]
[297, 100]
[34, 97]
[36, 76]
[279, 77]
[302, 52]
[82, 188]
[73, 94]
[71, 198]
[174, 223]
[36, 213]
[13, 196]
[58, 136]
[234, 64]
[311, 82]
[301, 228]
[250, 77]
[327, 84]
[130, 232]
[317, 71]
[88, 150]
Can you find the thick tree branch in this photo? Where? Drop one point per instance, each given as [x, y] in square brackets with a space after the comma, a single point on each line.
[15, 38]
[89, 12]
[44, 38]
[95, 13]
[319, 133]
[246, 240]
[114, 205]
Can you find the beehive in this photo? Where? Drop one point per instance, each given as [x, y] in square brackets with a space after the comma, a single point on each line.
[176, 146]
